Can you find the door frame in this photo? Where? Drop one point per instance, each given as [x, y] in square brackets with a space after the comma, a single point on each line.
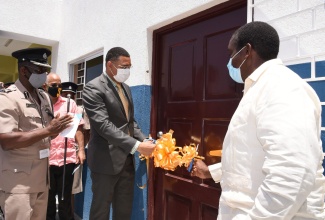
[201, 16]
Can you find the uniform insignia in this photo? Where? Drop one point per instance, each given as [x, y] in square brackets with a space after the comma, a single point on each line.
[8, 90]
[31, 105]
[44, 56]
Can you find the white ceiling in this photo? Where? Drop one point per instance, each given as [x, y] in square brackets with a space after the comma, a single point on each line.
[13, 46]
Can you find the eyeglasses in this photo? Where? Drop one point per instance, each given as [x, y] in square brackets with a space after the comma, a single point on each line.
[122, 67]
[55, 85]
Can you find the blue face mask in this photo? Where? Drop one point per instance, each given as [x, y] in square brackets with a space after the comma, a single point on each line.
[235, 72]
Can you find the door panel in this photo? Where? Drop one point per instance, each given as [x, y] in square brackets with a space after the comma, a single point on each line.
[195, 97]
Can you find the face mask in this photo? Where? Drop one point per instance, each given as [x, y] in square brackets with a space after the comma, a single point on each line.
[235, 73]
[37, 80]
[54, 91]
[122, 75]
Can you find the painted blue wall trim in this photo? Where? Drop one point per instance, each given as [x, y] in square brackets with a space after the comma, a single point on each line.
[142, 101]
[142, 104]
[302, 69]
[323, 140]
[319, 87]
[320, 68]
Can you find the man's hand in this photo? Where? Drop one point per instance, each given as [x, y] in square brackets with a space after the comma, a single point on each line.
[146, 148]
[201, 170]
[58, 124]
[81, 156]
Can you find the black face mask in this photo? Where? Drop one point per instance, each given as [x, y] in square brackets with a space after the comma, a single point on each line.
[54, 91]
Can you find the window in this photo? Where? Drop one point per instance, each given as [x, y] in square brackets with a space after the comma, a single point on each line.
[84, 70]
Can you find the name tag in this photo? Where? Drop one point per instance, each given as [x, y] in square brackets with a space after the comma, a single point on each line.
[44, 153]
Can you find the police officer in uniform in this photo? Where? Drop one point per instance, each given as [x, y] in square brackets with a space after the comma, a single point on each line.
[27, 124]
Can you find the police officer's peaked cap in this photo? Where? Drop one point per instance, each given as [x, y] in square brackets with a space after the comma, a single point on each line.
[37, 56]
[69, 87]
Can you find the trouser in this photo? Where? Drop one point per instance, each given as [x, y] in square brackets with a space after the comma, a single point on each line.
[56, 180]
[77, 180]
[29, 206]
[113, 189]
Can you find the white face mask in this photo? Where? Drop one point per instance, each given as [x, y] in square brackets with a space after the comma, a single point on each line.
[122, 74]
[37, 80]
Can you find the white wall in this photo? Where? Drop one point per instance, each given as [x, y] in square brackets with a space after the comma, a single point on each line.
[301, 27]
[75, 28]
[35, 18]
[100, 24]
[34, 21]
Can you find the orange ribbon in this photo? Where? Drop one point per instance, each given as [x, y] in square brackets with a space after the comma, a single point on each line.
[168, 156]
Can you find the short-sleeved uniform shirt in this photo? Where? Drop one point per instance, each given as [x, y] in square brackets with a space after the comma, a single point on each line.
[24, 170]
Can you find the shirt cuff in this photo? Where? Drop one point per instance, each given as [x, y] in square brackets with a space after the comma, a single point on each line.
[216, 172]
[135, 147]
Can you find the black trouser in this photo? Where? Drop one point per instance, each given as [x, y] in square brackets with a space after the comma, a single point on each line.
[56, 180]
[113, 189]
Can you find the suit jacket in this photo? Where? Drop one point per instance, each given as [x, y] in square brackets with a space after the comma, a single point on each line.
[112, 134]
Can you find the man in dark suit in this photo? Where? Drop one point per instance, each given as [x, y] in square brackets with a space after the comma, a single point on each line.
[115, 136]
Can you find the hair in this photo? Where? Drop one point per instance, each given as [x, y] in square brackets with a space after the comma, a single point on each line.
[263, 38]
[114, 53]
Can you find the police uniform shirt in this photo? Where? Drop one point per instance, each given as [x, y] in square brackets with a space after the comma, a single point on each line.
[24, 170]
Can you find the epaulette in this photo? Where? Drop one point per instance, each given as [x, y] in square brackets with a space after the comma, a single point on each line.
[41, 92]
[9, 89]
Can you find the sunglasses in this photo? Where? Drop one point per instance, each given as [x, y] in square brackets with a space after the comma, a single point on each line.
[55, 85]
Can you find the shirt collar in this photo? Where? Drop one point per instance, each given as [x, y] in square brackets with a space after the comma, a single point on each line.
[114, 84]
[252, 78]
[60, 99]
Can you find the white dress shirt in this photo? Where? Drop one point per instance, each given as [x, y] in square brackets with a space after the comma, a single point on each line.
[272, 153]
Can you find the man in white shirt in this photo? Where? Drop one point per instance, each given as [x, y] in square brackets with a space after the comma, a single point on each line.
[271, 165]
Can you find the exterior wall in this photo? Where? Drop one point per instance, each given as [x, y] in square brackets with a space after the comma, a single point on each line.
[76, 28]
[33, 21]
[301, 27]
[97, 24]
[34, 18]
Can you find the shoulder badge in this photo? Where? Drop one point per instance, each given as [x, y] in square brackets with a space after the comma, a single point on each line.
[9, 89]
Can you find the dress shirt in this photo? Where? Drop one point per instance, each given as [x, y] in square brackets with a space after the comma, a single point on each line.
[272, 153]
[57, 144]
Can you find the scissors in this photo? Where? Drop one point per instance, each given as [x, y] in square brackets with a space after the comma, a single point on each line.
[189, 168]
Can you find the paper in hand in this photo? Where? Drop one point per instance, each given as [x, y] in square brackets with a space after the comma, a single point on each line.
[70, 132]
